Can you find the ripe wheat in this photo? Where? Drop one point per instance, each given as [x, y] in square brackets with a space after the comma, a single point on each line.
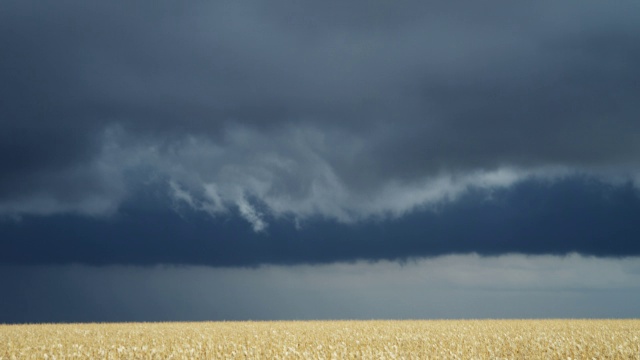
[463, 339]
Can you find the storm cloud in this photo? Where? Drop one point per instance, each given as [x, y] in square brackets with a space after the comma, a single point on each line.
[219, 160]
[561, 217]
[467, 286]
[300, 109]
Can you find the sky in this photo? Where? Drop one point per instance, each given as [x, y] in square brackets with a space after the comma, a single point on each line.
[239, 160]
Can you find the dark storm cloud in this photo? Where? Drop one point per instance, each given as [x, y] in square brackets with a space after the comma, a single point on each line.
[303, 108]
[570, 216]
[49, 134]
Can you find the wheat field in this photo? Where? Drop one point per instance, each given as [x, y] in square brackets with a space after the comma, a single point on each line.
[420, 339]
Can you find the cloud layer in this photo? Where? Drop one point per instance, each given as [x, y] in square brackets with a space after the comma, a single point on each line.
[446, 287]
[575, 215]
[343, 111]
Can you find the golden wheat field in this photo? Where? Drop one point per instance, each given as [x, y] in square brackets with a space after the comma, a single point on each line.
[428, 339]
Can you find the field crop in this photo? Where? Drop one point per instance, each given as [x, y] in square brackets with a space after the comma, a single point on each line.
[446, 339]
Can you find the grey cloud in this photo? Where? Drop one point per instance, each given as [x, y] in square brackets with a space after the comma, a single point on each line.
[447, 287]
[303, 108]
[573, 215]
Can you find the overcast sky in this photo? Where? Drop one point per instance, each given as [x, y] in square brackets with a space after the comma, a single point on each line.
[244, 143]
